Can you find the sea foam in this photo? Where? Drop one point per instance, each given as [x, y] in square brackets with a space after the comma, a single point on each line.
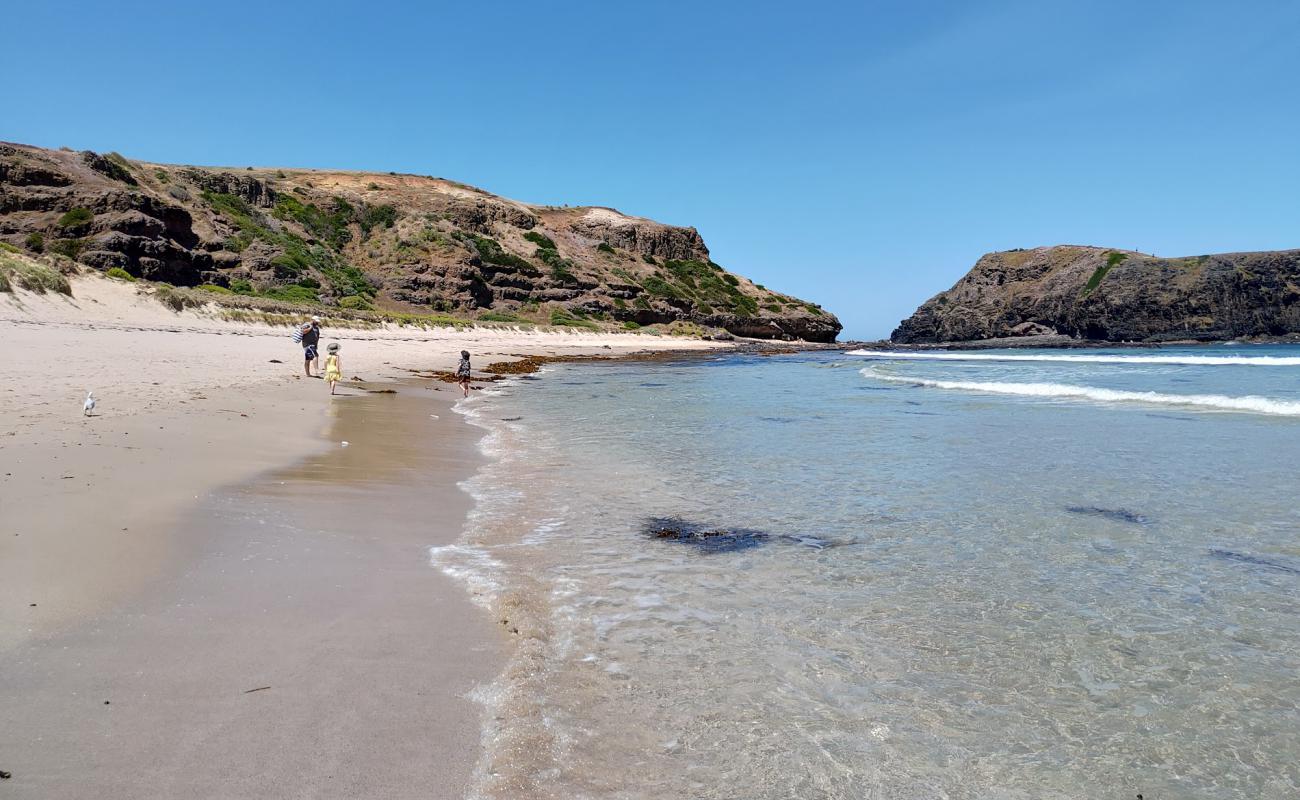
[472, 567]
[1191, 361]
[1062, 391]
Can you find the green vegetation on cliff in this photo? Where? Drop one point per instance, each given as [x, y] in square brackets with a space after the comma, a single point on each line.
[76, 218]
[491, 252]
[1113, 259]
[298, 258]
[331, 227]
[541, 240]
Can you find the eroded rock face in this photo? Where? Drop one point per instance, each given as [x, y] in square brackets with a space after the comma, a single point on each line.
[248, 188]
[93, 208]
[19, 173]
[640, 236]
[402, 242]
[481, 214]
[1098, 294]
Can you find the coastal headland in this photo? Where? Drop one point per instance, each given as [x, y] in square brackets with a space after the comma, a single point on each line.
[386, 242]
[1073, 295]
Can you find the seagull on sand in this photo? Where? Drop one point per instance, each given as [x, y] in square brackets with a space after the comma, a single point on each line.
[89, 405]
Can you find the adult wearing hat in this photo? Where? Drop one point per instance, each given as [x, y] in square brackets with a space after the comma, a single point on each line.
[310, 343]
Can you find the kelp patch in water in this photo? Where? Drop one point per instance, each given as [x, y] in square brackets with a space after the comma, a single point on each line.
[703, 537]
[1116, 514]
[726, 540]
[1255, 561]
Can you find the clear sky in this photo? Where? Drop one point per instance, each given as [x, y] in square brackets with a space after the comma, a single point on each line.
[861, 155]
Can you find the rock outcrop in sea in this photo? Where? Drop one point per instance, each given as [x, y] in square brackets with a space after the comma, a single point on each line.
[1100, 294]
[381, 240]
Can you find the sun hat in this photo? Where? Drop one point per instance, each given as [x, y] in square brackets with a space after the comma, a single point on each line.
[315, 319]
[333, 346]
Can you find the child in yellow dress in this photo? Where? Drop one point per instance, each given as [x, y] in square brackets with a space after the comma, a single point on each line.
[333, 366]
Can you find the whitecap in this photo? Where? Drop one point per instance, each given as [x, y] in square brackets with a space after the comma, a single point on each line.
[1063, 391]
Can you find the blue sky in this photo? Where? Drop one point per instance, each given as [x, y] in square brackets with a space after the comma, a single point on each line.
[861, 155]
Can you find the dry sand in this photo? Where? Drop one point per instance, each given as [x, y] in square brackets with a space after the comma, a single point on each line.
[138, 356]
[206, 534]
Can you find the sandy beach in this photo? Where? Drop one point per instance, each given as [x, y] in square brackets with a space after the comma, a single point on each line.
[206, 535]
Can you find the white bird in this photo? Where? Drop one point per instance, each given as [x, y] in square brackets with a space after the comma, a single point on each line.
[89, 405]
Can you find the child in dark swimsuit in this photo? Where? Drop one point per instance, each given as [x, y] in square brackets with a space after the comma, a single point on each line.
[463, 372]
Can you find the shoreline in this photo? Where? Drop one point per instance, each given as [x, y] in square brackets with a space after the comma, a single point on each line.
[113, 565]
[187, 403]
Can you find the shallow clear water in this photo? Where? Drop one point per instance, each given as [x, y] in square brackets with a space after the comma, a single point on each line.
[963, 587]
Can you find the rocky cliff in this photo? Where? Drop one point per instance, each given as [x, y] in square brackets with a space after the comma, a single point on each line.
[390, 241]
[1114, 295]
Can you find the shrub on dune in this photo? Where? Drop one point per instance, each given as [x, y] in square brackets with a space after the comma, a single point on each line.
[20, 272]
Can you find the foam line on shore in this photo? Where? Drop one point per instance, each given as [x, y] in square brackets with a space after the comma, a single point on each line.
[1191, 361]
[1062, 391]
[470, 566]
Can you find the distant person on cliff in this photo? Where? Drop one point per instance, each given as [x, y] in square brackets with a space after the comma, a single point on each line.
[310, 341]
[463, 372]
[333, 366]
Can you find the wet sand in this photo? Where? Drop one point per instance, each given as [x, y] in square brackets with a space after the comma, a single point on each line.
[90, 507]
[304, 648]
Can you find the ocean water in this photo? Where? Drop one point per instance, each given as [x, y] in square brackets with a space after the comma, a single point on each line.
[975, 575]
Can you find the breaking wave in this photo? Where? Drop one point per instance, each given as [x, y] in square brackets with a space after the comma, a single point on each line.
[1191, 361]
[1217, 402]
